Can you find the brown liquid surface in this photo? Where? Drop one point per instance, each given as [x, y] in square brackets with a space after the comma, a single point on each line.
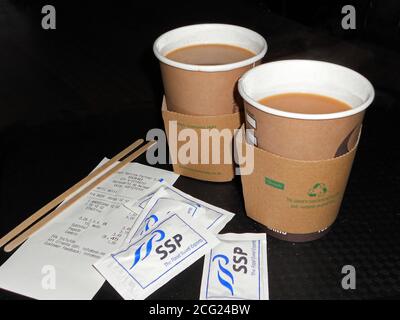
[210, 54]
[304, 103]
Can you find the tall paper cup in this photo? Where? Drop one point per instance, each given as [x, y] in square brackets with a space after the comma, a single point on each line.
[305, 136]
[205, 89]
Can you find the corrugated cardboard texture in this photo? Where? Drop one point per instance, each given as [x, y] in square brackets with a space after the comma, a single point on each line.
[292, 196]
[208, 172]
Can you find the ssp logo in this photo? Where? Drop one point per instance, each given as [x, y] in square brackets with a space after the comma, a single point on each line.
[157, 241]
[149, 222]
[228, 269]
[171, 245]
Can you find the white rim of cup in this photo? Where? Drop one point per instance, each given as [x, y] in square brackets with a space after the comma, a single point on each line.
[322, 116]
[211, 68]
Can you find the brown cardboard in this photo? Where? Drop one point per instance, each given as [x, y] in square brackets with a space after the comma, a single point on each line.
[303, 139]
[296, 200]
[202, 93]
[208, 172]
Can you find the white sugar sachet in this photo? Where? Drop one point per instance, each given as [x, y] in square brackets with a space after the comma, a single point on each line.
[138, 205]
[150, 261]
[159, 209]
[170, 199]
[236, 269]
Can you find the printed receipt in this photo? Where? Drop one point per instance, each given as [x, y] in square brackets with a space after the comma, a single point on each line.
[57, 261]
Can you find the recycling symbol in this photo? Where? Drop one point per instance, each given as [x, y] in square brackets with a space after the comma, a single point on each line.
[318, 190]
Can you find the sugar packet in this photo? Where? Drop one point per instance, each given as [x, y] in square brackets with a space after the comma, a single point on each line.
[138, 205]
[236, 269]
[150, 261]
[158, 203]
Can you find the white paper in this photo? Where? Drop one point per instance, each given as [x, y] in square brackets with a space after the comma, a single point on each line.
[150, 261]
[138, 205]
[56, 262]
[236, 269]
[167, 199]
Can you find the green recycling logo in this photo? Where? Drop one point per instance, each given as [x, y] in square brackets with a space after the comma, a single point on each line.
[318, 190]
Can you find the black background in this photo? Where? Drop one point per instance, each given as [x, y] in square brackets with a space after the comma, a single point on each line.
[70, 96]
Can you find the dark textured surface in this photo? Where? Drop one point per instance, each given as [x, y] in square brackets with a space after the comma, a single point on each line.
[71, 96]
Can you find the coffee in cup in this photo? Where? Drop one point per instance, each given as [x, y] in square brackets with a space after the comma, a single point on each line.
[200, 66]
[304, 109]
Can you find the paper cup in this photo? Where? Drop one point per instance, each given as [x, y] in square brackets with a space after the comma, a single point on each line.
[205, 89]
[305, 136]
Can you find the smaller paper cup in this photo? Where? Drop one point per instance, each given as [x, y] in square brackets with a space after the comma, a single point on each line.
[205, 89]
[305, 136]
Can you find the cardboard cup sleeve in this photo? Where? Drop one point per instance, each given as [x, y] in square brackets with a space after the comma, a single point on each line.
[220, 170]
[296, 200]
